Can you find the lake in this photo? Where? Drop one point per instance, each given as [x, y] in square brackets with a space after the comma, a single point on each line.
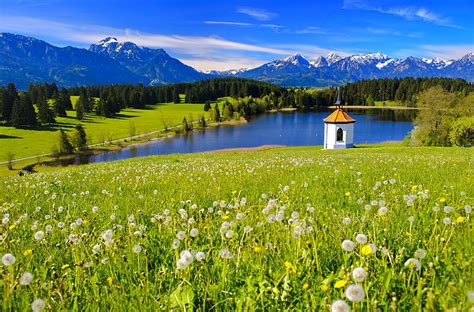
[280, 128]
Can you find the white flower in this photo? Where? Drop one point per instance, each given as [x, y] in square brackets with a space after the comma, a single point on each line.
[411, 219]
[248, 229]
[96, 248]
[181, 264]
[200, 256]
[347, 245]
[340, 306]
[137, 248]
[37, 305]
[435, 208]
[413, 263]
[383, 211]
[194, 232]
[225, 254]
[468, 209]
[181, 235]
[239, 216]
[420, 253]
[229, 234]
[447, 221]
[346, 221]
[107, 235]
[470, 295]
[361, 239]
[39, 235]
[175, 244]
[187, 256]
[8, 259]
[448, 209]
[355, 293]
[26, 278]
[295, 215]
[359, 274]
[95, 209]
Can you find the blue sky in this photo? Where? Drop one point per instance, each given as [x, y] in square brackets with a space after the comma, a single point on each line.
[234, 34]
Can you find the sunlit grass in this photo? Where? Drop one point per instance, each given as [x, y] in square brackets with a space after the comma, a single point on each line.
[244, 230]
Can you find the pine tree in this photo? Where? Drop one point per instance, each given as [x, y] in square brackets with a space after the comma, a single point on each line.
[186, 127]
[79, 138]
[45, 115]
[177, 98]
[9, 97]
[216, 114]
[207, 106]
[79, 110]
[64, 145]
[60, 105]
[23, 112]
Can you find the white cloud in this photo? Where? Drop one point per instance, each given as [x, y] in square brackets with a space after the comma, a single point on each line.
[194, 45]
[409, 12]
[312, 30]
[227, 23]
[259, 14]
[313, 51]
[446, 51]
[230, 62]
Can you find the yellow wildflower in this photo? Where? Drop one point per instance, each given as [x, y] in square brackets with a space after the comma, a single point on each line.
[65, 266]
[366, 250]
[11, 227]
[27, 252]
[442, 200]
[275, 291]
[305, 286]
[324, 288]
[110, 280]
[460, 219]
[257, 249]
[85, 222]
[348, 194]
[225, 217]
[290, 267]
[340, 284]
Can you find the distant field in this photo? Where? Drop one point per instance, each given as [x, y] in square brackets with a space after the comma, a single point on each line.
[383, 228]
[388, 103]
[25, 142]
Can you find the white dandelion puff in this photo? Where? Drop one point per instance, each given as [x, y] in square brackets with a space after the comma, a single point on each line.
[26, 278]
[39, 235]
[359, 274]
[340, 306]
[361, 239]
[8, 259]
[37, 305]
[420, 253]
[413, 263]
[137, 248]
[355, 293]
[347, 245]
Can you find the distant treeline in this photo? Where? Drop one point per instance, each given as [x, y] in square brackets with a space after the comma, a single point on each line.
[404, 90]
[252, 97]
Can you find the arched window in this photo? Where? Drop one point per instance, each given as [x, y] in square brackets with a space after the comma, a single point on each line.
[339, 135]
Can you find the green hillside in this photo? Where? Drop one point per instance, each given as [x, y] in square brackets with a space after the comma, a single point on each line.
[243, 231]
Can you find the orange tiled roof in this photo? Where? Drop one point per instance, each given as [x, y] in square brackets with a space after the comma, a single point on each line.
[339, 116]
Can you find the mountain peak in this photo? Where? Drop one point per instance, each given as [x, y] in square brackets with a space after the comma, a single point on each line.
[107, 41]
[333, 57]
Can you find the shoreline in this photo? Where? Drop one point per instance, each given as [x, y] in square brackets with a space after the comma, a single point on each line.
[375, 107]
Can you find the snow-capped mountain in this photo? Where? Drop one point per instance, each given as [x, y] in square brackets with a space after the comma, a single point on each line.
[24, 60]
[153, 64]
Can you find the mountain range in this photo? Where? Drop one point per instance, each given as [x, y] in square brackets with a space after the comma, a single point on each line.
[24, 60]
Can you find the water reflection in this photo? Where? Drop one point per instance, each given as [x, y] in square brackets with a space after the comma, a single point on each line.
[282, 128]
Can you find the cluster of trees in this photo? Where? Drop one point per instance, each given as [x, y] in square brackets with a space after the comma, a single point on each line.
[404, 90]
[66, 145]
[445, 118]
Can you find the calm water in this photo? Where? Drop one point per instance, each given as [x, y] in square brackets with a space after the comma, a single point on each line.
[282, 128]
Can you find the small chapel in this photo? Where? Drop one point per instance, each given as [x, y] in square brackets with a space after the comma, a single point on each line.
[338, 128]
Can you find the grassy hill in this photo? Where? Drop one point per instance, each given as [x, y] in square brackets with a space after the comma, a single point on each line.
[245, 230]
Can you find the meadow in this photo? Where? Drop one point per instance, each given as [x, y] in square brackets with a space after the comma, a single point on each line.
[374, 228]
[30, 142]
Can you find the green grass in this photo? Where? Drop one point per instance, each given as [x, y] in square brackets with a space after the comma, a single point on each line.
[292, 263]
[27, 142]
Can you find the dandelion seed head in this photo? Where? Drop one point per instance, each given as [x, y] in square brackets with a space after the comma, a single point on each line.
[348, 245]
[26, 278]
[137, 248]
[359, 274]
[340, 306]
[413, 263]
[39, 235]
[361, 238]
[8, 259]
[355, 293]
[420, 253]
[37, 305]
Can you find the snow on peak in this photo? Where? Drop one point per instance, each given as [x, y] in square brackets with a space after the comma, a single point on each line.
[333, 57]
[107, 41]
[369, 57]
[296, 59]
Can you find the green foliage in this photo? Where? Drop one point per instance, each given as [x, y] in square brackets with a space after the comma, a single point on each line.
[270, 225]
[207, 106]
[23, 112]
[64, 146]
[439, 109]
[462, 132]
[45, 114]
[79, 138]
[185, 126]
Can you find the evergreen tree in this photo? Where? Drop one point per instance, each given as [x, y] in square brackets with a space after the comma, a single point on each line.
[45, 115]
[9, 97]
[60, 105]
[207, 106]
[64, 145]
[202, 122]
[79, 138]
[216, 114]
[177, 98]
[23, 112]
[186, 127]
[80, 110]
